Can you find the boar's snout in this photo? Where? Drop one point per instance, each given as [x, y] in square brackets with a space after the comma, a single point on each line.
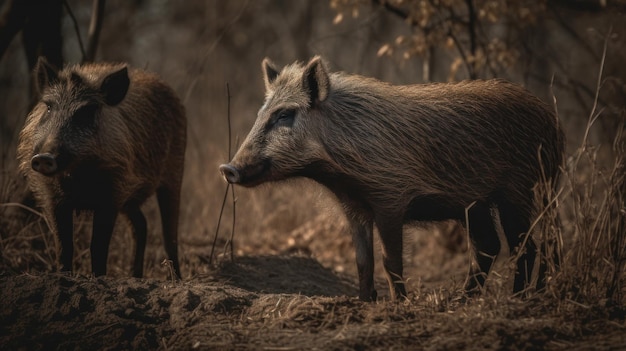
[45, 164]
[230, 173]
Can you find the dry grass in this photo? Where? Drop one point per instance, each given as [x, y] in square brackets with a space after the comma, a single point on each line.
[594, 203]
[592, 200]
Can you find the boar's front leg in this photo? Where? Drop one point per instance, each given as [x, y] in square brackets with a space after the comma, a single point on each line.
[140, 231]
[363, 240]
[64, 222]
[103, 223]
[168, 197]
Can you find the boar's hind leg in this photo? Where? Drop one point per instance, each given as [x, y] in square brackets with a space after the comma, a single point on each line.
[486, 244]
[140, 232]
[103, 223]
[169, 204]
[516, 224]
[391, 238]
[363, 241]
[63, 217]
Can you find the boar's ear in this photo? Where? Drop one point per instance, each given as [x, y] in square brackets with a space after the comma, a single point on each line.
[115, 86]
[315, 80]
[270, 72]
[45, 74]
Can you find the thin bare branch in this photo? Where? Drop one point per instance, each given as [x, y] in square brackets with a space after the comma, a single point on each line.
[95, 26]
[219, 222]
[76, 28]
[230, 156]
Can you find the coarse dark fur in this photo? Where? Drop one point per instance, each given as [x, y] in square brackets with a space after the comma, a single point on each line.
[104, 138]
[393, 154]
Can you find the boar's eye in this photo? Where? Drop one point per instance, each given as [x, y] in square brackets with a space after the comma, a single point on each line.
[283, 118]
[48, 105]
[85, 115]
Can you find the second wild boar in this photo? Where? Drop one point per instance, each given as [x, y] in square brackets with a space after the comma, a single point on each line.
[104, 138]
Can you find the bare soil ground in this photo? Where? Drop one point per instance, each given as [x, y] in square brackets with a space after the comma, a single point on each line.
[245, 311]
[298, 295]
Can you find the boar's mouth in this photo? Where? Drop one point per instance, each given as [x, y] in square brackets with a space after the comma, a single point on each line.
[248, 175]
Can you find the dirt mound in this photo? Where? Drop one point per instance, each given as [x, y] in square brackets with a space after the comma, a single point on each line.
[58, 311]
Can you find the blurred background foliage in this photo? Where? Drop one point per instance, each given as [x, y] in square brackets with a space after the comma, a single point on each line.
[550, 46]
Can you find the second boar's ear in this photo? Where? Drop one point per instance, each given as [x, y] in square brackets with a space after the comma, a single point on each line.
[315, 80]
[270, 72]
[115, 86]
[45, 73]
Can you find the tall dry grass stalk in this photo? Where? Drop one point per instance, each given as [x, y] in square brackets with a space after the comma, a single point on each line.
[230, 242]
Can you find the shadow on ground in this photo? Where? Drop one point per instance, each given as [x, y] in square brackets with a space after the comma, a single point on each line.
[284, 275]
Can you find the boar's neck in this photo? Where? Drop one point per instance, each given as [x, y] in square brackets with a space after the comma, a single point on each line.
[350, 191]
[88, 188]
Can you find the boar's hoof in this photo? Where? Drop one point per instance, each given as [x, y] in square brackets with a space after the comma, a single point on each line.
[45, 164]
[230, 173]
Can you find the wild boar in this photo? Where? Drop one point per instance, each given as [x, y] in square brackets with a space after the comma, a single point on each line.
[418, 153]
[104, 138]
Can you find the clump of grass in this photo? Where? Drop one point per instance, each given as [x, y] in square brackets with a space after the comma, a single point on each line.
[592, 202]
[26, 243]
[594, 263]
